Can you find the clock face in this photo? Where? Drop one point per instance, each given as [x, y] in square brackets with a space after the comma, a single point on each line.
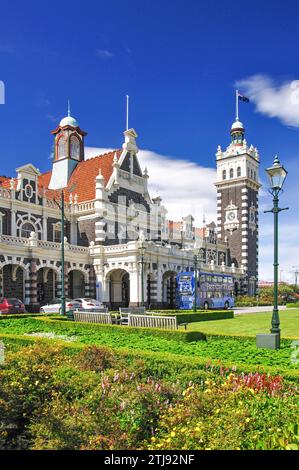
[231, 216]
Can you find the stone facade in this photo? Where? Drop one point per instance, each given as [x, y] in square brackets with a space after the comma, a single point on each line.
[110, 219]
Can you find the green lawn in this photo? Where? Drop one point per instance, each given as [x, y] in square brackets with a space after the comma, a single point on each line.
[250, 324]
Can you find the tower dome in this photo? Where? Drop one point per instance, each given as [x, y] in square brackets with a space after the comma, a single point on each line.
[237, 125]
[69, 121]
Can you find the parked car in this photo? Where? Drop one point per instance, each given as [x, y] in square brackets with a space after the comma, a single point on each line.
[89, 304]
[55, 306]
[11, 305]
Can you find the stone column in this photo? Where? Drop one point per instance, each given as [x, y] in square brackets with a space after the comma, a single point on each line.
[135, 287]
[45, 228]
[31, 301]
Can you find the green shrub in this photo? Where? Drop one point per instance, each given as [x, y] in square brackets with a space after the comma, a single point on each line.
[75, 398]
[293, 305]
[189, 317]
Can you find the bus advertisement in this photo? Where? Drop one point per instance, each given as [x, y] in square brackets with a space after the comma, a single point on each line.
[212, 291]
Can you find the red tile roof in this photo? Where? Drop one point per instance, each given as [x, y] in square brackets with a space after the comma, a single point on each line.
[82, 180]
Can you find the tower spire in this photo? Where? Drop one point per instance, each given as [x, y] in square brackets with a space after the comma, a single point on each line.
[68, 108]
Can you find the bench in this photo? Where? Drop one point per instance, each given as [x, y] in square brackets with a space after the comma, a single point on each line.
[95, 309]
[93, 317]
[135, 310]
[153, 321]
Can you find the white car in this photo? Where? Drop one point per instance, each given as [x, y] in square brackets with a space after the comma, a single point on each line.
[89, 304]
[55, 306]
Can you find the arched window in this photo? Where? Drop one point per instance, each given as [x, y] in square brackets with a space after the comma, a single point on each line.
[231, 173]
[251, 174]
[61, 148]
[26, 229]
[75, 147]
[254, 175]
[239, 171]
[224, 174]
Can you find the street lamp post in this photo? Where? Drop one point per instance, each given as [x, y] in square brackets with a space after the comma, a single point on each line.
[142, 250]
[195, 282]
[277, 175]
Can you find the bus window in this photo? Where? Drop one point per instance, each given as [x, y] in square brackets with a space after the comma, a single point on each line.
[229, 279]
[220, 279]
[215, 278]
[225, 280]
[209, 278]
[202, 278]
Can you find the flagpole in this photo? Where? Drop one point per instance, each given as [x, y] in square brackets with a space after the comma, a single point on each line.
[127, 116]
[237, 105]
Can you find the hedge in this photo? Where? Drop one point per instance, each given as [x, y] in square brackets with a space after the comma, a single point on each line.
[164, 362]
[189, 317]
[4, 316]
[177, 335]
[293, 305]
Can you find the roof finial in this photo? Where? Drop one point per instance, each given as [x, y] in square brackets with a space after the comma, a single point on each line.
[127, 113]
[68, 108]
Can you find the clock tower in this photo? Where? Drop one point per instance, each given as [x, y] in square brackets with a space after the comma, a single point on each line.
[237, 204]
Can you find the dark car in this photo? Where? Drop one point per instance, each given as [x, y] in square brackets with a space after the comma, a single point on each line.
[11, 305]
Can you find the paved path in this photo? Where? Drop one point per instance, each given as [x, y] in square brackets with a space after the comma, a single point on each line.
[242, 310]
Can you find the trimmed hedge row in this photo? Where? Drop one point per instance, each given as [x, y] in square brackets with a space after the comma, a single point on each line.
[176, 335]
[293, 305]
[5, 316]
[189, 317]
[165, 363]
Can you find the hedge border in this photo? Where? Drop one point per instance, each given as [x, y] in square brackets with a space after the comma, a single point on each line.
[196, 363]
[184, 336]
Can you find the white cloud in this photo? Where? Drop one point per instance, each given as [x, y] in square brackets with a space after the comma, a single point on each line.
[275, 100]
[104, 54]
[186, 187]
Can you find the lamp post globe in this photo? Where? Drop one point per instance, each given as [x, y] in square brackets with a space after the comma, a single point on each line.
[277, 175]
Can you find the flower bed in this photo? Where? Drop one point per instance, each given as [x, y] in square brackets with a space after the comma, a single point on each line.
[89, 398]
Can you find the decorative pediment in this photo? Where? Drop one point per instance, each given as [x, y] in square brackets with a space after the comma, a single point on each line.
[28, 169]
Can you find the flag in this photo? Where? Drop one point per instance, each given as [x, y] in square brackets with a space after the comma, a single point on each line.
[243, 98]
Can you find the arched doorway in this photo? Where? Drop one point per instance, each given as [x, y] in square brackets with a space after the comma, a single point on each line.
[13, 282]
[46, 285]
[76, 284]
[119, 288]
[169, 289]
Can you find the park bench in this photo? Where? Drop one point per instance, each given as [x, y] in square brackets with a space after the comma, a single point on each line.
[152, 321]
[93, 317]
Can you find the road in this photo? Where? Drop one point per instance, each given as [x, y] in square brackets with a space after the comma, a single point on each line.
[242, 310]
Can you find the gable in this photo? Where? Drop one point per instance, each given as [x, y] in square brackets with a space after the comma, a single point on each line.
[126, 164]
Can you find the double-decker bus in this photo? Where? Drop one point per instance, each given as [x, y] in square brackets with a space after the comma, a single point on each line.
[212, 290]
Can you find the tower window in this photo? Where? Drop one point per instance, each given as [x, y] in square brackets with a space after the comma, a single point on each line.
[231, 173]
[224, 174]
[251, 174]
[61, 147]
[239, 171]
[254, 175]
[75, 147]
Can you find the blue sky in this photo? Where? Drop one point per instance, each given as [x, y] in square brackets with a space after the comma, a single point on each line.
[179, 62]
